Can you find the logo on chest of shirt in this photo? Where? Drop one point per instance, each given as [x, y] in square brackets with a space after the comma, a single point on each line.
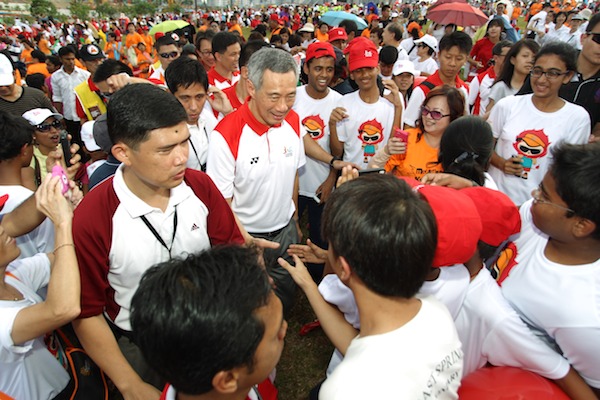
[253, 160]
[314, 126]
[288, 151]
[195, 227]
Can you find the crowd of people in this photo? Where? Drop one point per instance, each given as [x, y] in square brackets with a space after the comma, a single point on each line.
[158, 188]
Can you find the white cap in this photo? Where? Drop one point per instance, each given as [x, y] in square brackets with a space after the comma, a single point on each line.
[402, 66]
[394, 14]
[87, 136]
[38, 115]
[429, 41]
[6, 71]
[579, 17]
[308, 27]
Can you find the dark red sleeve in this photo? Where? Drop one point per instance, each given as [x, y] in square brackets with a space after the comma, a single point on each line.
[475, 49]
[221, 225]
[92, 235]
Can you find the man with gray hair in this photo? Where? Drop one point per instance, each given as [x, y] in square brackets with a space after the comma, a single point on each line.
[254, 156]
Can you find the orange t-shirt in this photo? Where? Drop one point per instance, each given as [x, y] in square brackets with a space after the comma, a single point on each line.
[418, 160]
[44, 47]
[535, 8]
[26, 56]
[38, 68]
[321, 37]
[132, 39]
[237, 28]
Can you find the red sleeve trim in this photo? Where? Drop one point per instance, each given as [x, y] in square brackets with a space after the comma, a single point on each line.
[294, 120]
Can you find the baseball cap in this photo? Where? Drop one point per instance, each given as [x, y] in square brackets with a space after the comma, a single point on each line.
[39, 115]
[87, 136]
[337, 34]
[412, 26]
[318, 50]
[458, 223]
[308, 27]
[274, 17]
[499, 215]
[402, 66]
[429, 41]
[91, 52]
[7, 76]
[100, 132]
[395, 14]
[362, 54]
[579, 17]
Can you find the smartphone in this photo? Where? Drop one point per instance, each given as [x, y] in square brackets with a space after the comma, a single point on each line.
[57, 170]
[66, 147]
[400, 134]
[371, 171]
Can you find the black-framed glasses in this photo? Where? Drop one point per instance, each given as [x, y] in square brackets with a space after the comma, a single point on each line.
[46, 127]
[538, 198]
[173, 54]
[551, 74]
[435, 115]
[595, 36]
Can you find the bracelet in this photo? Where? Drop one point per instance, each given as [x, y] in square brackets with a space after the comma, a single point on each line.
[63, 245]
[334, 159]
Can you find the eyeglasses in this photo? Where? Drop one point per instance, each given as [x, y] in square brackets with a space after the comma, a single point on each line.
[550, 74]
[206, 52]
[595, 36]
[538, 194]
[435, 115]
[46, 127]
[173, 54]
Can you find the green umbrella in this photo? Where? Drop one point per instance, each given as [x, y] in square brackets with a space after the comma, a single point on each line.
[168, 26]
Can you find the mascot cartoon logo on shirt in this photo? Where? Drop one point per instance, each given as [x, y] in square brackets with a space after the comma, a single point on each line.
[370, 133]
[531, 144]
[314, 126]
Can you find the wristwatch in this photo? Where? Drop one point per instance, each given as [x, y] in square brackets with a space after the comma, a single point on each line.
[334, 159]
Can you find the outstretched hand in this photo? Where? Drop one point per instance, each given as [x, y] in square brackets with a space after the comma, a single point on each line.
[308, 253]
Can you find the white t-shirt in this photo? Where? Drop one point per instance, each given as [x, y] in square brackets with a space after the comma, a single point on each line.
[27, 370]
[501, 90]
[367, 128]
[520, 128]
[428, 66]
[483, 89]
[491, 331]
[314, 117]
[199, 135]
[409, 46]
[420, 360]
[39, 240]
[559, 302]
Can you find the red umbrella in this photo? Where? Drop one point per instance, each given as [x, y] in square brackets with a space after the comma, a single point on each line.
[440, 2]
[461, 14]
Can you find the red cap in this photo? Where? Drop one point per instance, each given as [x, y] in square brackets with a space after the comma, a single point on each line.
[458, 223]
[499, 215]
[158, 35]
[362, 54]
[274, 17]
[318, 50]
[337, 34]
[205, 16]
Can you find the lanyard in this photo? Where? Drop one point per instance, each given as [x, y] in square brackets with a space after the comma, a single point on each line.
[202, 166]
[157, 236]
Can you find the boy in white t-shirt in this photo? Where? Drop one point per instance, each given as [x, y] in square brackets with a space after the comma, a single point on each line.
[551, 273]
[382, 239]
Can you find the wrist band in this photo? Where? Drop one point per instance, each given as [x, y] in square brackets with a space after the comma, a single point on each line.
[334, 159]
[63, 245]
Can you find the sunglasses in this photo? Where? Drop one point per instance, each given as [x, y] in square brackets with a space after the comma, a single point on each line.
[435, 115]
[173, 54]
[595, 36]
[46, 127]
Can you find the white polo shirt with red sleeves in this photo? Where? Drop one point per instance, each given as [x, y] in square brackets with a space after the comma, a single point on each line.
[256, 165]
[219, 81]
[114, 246]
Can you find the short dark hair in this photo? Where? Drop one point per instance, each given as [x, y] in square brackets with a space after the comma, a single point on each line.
[497, 49]
[63, 51]
[36, 80]
[110, 67]
[349, 26]
[572, 169]
[458, 39]
[54, 60]
[15, 132]
[396, 29]
[38, 55]
[388, 55]
[208, 34]
[595, 20]
[222, 40]
[564, 51]
[166, 40]
[560, 13]
[250, 48]
[129, 123]
[184, 72]
[508, 68]
[386, 233]
[204, 306]
[466, 148]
